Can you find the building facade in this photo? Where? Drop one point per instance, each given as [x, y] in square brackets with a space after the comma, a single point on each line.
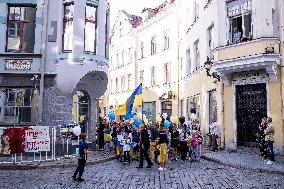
[144, 50]
[55, 61]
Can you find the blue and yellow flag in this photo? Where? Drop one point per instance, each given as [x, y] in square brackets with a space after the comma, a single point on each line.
[134, 100]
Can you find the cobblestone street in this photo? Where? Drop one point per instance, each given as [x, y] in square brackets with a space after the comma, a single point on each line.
[115, 175]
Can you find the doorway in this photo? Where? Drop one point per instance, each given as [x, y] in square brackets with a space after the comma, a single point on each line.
[251, 106]
[81, 107]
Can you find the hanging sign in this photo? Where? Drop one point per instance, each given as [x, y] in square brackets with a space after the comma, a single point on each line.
[37, 139]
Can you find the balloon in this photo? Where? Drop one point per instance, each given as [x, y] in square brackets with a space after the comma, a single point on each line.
[82, 118]
[137, 122]
[111, 116]
[146, 121]
[167, 124]
[77, 130]
[187, 130]
[126, 117]
[182, 119]
[132, 114]
[139, 116]
[172, 119]
[175, 120]
[193, 116]
[158, 119]
[165, 115]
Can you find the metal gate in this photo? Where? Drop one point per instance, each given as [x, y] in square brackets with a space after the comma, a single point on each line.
[251, 106]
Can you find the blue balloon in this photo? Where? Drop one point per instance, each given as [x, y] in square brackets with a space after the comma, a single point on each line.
[167, 124]
[137, 122]
[126, 117]
[132, 115]
[111, 116]
[187, 130]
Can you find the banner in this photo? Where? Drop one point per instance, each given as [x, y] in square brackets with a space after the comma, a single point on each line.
[37, 139]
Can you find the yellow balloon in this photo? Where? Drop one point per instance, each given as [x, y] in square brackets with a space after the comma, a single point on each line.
[146, 121]
[159, 119]
[82, 118]
[139, 115]
[175, 120]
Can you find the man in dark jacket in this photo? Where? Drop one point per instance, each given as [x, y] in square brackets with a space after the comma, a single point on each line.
[83, 146]
[144, 147]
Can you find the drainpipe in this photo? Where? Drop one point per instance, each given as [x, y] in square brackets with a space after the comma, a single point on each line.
[43, 62]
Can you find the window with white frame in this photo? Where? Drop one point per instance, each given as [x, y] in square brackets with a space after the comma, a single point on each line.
[211, 42]
[90, 28]
[212, 106]
[240, 21]
[188, 62]
[153, 45]
[142, 50]
[116, 85]
[122, 58]
[193, 106]
[122, 83]
[141, 76]
[110, 87]
[197, 55]
[128, 82]
[117, 61]
[129, 55]
[166, 40]
[153, 76]
[196, 10]
[167, 78]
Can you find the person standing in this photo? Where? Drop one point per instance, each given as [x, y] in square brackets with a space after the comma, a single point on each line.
[174, 143]
[144, 147]
[81, 159]
[163, 148]
[261, 140]
[183, 144]
[153, 142]
[215, 133]
[101, 135]
[269, 138]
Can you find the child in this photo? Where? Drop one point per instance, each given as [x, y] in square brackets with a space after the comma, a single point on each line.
[194, 145]
[200, 140]
[126, 148]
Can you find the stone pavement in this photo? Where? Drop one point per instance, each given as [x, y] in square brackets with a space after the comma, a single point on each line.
[113, 174]
[94, 157]
[246, 159]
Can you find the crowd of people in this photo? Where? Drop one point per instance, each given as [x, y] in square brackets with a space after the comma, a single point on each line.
[154, 143]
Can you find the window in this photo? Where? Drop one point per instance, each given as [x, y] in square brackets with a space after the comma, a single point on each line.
[153, 45]
[153, 76]
[211, 43]
[122, 58]
[122, 83]
[197, 55]
[196, 10]
[167, 73]
[129, 55]
[128, 82]
[21, 29]
[212, 106]
[150, 110]
[142, 50]
[167, 107]
[68, 27]
[106, 34]
[240, 21]
[117, 60]
[141, 76]
[90, 28]
[116, 85]
[166, 40]
[188, 62]
[18, 106]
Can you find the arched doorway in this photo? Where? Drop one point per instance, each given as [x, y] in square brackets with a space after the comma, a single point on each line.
[81, 108]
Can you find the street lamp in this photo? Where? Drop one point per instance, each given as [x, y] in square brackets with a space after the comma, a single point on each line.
[208, 65]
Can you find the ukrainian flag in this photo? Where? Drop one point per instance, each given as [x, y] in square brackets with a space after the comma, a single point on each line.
[133, 101]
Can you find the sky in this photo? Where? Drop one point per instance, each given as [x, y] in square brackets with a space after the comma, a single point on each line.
[131, 6]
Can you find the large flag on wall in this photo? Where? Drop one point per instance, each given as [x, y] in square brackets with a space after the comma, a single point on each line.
[134, 100]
